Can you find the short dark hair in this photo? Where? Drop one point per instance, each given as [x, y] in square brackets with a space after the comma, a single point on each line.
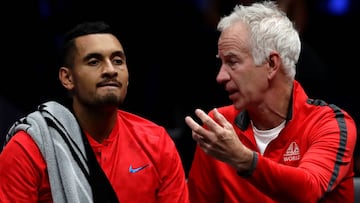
[87, 28]
[84, 28]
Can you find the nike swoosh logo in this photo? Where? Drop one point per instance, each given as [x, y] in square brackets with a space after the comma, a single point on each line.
[135, 170]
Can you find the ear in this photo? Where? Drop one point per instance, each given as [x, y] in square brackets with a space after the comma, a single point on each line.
[274, 62]
[66, 78]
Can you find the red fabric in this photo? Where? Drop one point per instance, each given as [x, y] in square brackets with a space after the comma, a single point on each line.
[134, 142]
[313, 151]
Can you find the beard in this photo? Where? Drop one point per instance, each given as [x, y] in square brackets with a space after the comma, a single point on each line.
[107, 100]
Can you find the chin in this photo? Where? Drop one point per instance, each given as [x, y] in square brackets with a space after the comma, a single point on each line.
[109, 99]
[238, 105]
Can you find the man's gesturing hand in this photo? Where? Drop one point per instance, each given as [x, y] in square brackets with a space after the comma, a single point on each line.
[217, 138]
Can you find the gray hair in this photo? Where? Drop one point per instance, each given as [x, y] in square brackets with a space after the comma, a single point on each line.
[270, 30]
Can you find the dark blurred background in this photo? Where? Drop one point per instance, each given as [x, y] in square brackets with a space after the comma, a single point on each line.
[170, 48]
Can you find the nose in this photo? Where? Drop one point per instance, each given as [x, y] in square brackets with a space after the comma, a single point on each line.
[109, 68]
[222, 76]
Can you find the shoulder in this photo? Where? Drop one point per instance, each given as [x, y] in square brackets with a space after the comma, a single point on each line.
[229, 111]
[136, 120]
[22, 148]
[140, 126]
[147, 135]
[21, 140]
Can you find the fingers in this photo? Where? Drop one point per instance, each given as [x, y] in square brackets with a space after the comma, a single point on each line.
[192, 124]
[209, 122]
[195, 127]
[215, 129]
[221, 119]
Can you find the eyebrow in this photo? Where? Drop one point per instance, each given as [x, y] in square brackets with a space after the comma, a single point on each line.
[119, 53]
[97, 55]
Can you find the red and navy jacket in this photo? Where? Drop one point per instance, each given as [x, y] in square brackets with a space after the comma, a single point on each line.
[311, 160]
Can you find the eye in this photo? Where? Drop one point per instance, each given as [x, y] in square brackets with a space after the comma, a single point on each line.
[231, 62]
[118, 61]
[93, 62]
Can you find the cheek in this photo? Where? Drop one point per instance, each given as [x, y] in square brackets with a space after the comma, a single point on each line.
[84, 84]
[250, 81]
[242, 78]
[261, 85]
[124, 92]
[123, 77]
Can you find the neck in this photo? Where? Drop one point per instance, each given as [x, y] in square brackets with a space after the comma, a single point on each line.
[98, 122]
[273, 111]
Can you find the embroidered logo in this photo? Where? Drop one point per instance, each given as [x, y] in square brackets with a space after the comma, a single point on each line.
[135, 170]
[292, 153]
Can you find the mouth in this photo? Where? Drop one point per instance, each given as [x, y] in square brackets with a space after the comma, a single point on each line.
[231, 91]
[109, 84]
[232, 94]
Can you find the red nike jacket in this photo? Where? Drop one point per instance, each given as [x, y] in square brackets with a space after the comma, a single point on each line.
[139, 158]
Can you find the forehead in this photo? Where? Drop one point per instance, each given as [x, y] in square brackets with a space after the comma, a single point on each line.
[234, 38]
[98, 43]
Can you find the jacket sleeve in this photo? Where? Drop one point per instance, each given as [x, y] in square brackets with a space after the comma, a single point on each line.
[22, 171]
[172, 174]
[327, 162]
[202, 182]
